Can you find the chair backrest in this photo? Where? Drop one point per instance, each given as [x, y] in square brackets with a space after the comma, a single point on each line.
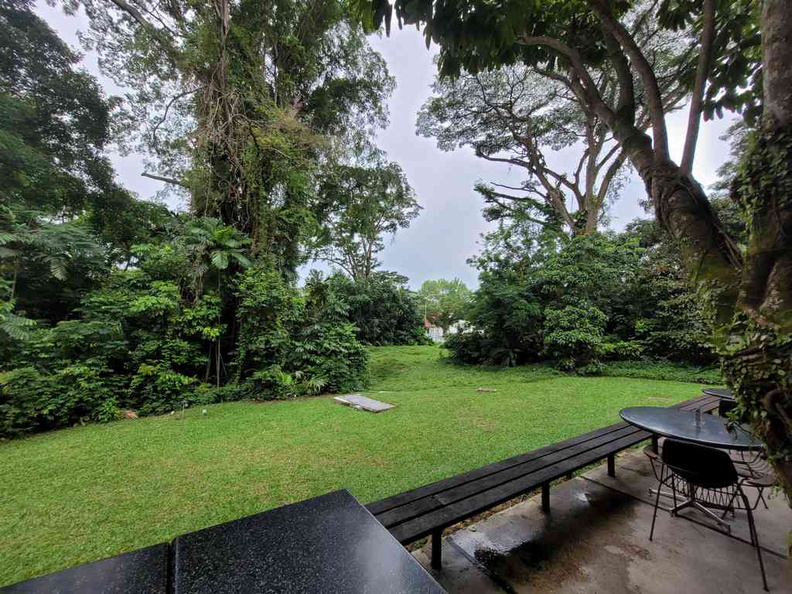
[699, 465]
[725, 406]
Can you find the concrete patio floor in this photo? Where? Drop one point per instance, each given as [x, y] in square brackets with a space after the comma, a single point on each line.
[596, 540]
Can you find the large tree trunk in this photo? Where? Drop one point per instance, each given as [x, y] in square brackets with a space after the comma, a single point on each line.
[758, 357]
[752, 294]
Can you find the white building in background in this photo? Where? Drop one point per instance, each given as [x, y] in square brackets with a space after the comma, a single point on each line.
[436, 332]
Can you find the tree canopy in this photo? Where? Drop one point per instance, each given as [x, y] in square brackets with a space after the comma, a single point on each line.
[520, 114]
[241, 103]
[361, 205]
[445, 301]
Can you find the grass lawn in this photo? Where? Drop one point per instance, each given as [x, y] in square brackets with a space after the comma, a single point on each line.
[81, 494]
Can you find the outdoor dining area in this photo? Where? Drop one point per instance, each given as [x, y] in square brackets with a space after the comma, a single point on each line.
[693, 510]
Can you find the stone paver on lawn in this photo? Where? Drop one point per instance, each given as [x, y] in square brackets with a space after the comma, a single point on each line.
[363, 403]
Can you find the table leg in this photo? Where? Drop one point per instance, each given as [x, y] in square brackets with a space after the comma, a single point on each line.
[437, 549]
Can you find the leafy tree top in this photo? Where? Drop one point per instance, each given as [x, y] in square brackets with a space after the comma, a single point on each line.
[446, 301]
[55, 122]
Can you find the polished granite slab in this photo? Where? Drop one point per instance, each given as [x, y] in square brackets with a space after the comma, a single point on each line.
[144, 571]
[327, 544]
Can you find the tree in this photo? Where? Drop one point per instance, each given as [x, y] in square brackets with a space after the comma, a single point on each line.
[54, 119]
[446, 301]
[55, 125]
[751, 293]
[360, 206]
[665, 315]
[239, 104]
[384, 311]
[518, 114]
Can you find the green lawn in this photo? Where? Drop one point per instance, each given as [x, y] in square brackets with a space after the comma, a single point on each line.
[81, 494]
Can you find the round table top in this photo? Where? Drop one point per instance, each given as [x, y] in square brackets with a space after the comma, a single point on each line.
[681, 424]
[719, 392]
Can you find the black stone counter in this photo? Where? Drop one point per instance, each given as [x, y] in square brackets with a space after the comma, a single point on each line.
[327, 544]
[144, 571]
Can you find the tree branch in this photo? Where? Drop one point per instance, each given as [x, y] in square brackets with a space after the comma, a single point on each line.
[168, 180]
[702, 73]
[167, 108]
[652, 90]
[138, 17]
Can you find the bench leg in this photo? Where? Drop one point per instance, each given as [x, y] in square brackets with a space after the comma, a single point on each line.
[437, 549]
[612, 465]
[546, 497]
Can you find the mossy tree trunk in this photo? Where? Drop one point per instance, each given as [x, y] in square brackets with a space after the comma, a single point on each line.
[750, 293]
[758, 348]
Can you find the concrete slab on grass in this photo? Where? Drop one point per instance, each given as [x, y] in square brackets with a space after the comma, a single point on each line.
[363, 403]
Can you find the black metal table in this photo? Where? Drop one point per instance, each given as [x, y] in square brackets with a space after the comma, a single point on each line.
[722, 393]
[328, 544]
[678, 424]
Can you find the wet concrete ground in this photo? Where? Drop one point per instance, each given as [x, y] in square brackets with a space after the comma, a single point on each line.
[596, 540]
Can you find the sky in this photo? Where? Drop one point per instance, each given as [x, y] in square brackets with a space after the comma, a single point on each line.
[448, 230]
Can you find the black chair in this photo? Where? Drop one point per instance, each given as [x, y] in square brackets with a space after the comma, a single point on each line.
[725, 406]
[712, 483]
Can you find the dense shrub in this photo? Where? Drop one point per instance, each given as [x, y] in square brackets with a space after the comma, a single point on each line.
[293, 343]
[584, 300]
[667, 316]
[157, 335]
[31, 400]
[573, 336]
[383, 310]
[506, 318]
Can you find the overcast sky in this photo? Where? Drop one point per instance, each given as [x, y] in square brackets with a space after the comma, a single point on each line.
[448, 230]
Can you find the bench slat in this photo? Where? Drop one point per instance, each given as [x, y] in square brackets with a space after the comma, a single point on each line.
[422, 511]
[449, 515]
[470, 488]
[408, 497]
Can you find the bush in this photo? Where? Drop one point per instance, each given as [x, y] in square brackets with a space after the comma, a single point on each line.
[383, 310]
[25, 401]
[613, 349]
[271, 384]
[582, 300]
[294, 343]
[506, 318]
[31, 400]
[158, 389]
[574, 336]
[469, 348]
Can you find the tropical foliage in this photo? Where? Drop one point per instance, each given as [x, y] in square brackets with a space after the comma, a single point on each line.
[110, 303]
[360, 206]
[384, 311]
[445, 302]
[583, 301]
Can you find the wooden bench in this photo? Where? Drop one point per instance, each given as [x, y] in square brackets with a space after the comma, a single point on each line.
[428, 510]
